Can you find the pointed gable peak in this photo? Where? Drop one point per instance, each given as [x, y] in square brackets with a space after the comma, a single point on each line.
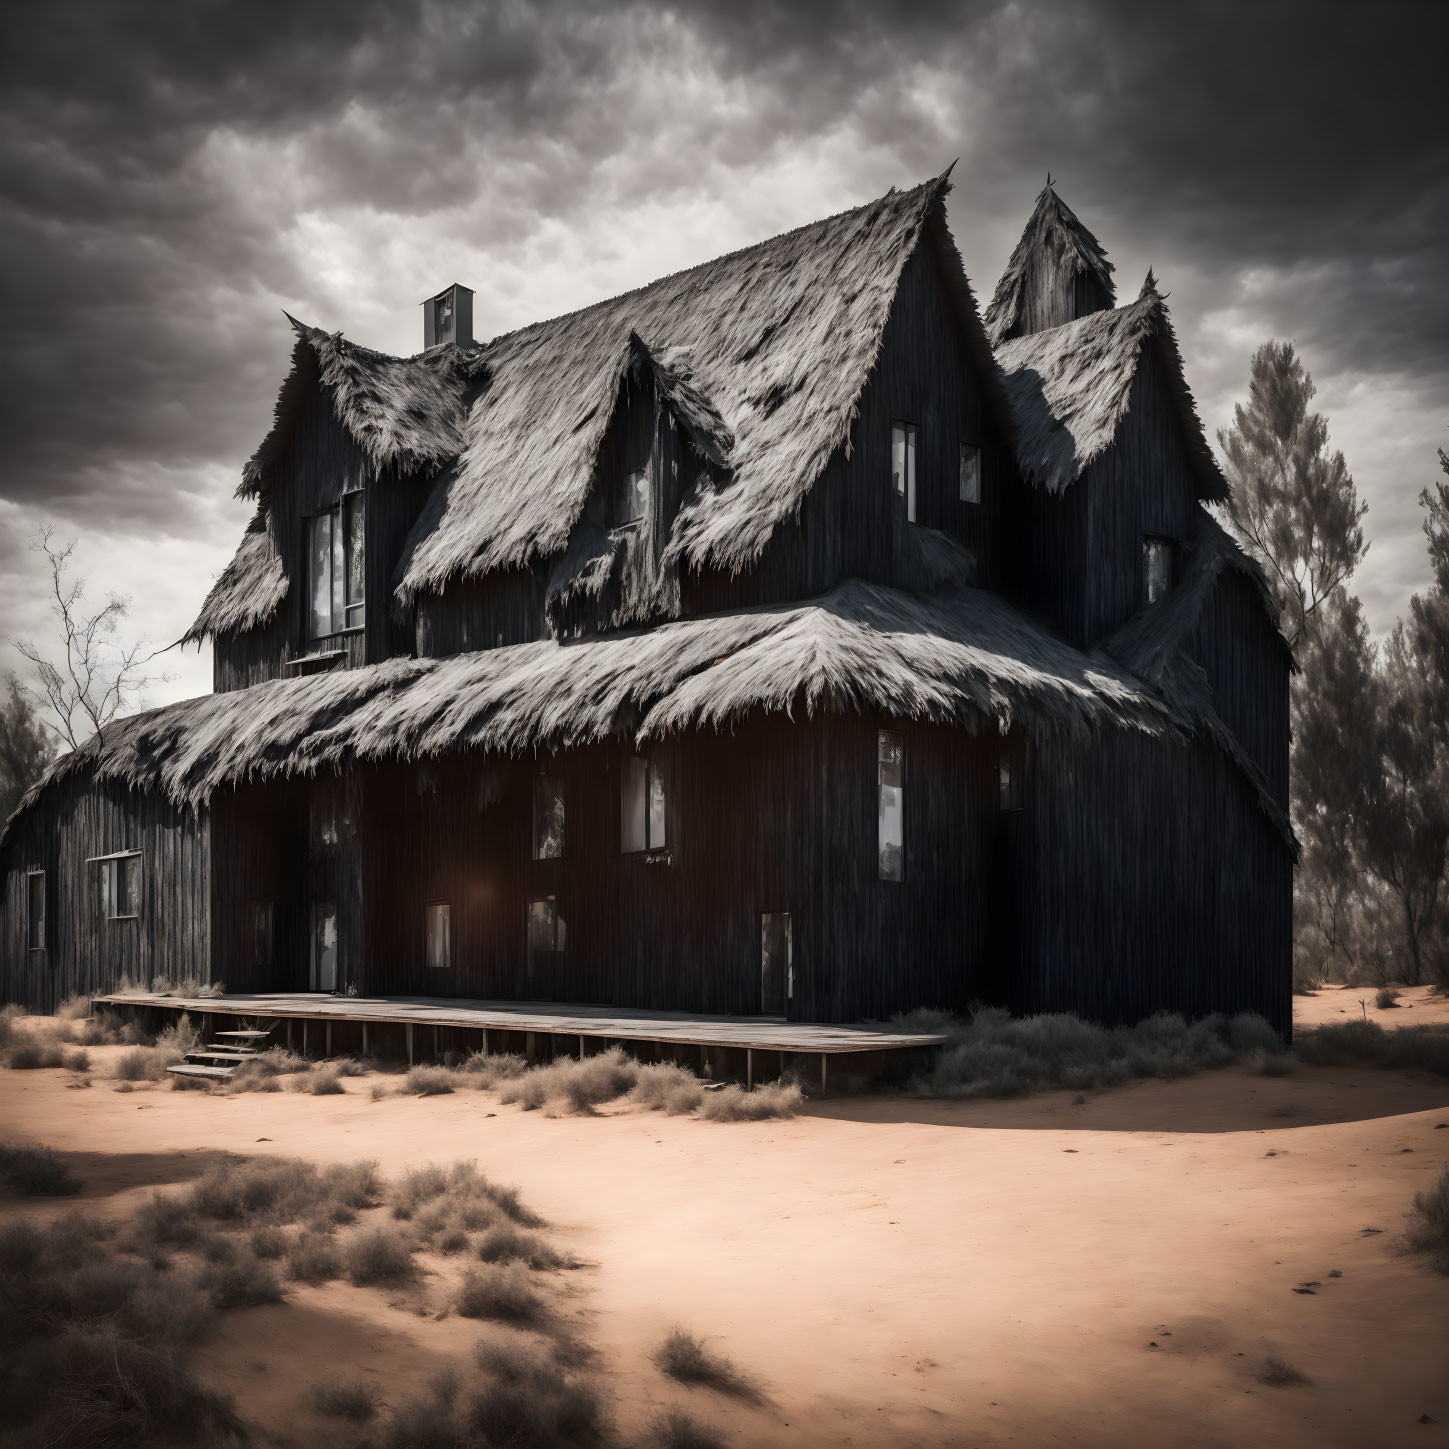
[1057, 273]
[1149, 286]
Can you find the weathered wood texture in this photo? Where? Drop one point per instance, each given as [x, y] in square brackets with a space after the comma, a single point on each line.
[84, 951]
[1078, 555]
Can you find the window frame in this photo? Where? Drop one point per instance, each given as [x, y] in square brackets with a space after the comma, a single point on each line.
[559, 931]
[635, 485]
[1161, 546]
[444, 913]
[116, 870]
[882, 819]
[340, 557]
[31, 876]
[653, 809]
[961, 473]
[905, 488]
[541, 789]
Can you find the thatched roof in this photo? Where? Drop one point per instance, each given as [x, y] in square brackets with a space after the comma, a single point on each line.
[1054, 248]
[775, 342]
[1070, 387]
[250, 590]
[967, 658]
[405, 413]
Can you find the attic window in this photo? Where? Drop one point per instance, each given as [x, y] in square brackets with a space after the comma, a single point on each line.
[903, 464]
[35, 910]
[970, 473]
[891, 805]
[548, 818]
[631, 498]
[335, 572]
[1156, 567]
[1011, 769]
[642, 806]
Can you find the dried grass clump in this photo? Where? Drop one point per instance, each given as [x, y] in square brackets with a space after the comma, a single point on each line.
[269, 1242]
[1280, 1374]
[325, 1081]
[579, 1084]
[673, 1428]
[483, 1070]
[263, 1072]
[351, 1398]
[312, 1257]
[506, 1242]
[174, 1041]
[236, 1277]
[996, 1055]
[1385, 998]
[502, 1291]
[768, 1100]
[1428, 1230]
[428, 1082]
[685, 1359]
[1366, 1043]
[667, 1087]
[74, 1008]
[464, 1187]
[382, 1254]
[36, 1171]
[139, 1064]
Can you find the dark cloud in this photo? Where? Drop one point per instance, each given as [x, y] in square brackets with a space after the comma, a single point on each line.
[172, 175]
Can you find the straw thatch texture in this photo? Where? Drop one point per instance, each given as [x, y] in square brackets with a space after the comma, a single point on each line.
[250, 590]
[1070, 386]
[775, 342]
[1054, 251]
[404, 412]
[970, 658]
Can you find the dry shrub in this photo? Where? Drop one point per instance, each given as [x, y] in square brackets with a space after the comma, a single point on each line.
[463, 1185]
[580, 1084]
[10, 1016]
[174, 1041]
[78, 1059]
[263, 1072]
[139, 1064]
[1385, 998]
[382, 1254]
[30, 1052]
[378, 1090]
[236, 1278]
[667, 1087]
[74, 1008]
[1428, 1230]
[482, 1070]
[312, 1257]
[672, 1428]
[36, 1171]
[685, 1359]
[508, 1243]
[428, 1082]
[269, 1242]
[326, 1081]
[346, 1399]
[1280, 1373]
[501, 1291]
[1366, 1043]
[769, 1099]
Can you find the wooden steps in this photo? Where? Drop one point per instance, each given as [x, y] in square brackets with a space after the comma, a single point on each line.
[191, 1069]
[219, 1061]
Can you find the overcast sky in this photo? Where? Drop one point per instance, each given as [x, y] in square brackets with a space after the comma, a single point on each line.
[173, 175]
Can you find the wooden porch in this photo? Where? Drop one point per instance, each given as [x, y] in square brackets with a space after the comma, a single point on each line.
[425, 1027]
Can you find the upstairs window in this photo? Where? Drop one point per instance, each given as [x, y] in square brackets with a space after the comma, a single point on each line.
[970, 473]
[903, 464]
[631, 498]
[1011, 770]
[326, 821]
[121, 886]
[548, 818]
[335, 570]
[440, 935]
[642, 806]
[35, 910]
[1156, 567]
[891, 805]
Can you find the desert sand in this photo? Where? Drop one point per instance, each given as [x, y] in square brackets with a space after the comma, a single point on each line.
[890, 1271]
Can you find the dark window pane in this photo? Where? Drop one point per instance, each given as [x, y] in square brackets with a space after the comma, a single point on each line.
[970, 473]
[356, 559]
[632, 501]
[1157, 567]
[35, 906]
[324, 946]
[548, 818]
[903, 465]
[890, 813]
[319, 571]
[440, 935]
[658, 838]
[633, 805]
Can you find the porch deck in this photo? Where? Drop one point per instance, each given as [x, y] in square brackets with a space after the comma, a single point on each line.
[560, 1020]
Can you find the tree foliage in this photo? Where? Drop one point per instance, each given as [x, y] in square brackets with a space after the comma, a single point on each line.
[26, 746]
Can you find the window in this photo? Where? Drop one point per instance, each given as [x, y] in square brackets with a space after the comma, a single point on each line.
[631, 498]
[324, 946]
[642, 807]
[970, 473]
[326, 828]
[1156, 567]
[777, 976]
[1012, 771]
[121, 886]
[903, 464]
[548, 818]
[547, 934]
[262, 933]
[35, 910]
[890, 815]
[440, 935]
[335, 568]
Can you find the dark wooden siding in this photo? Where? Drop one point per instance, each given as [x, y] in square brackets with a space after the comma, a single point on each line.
[1078, 554]
[86, 953]
[1144, 877]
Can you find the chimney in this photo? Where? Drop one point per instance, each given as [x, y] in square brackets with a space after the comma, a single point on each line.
[448, 317]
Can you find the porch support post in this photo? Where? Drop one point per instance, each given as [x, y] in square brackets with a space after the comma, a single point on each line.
[824, 1060]
[408, 1032]
[749, 1067]
[304, 1036]
[329, 1039]
[364, 1038]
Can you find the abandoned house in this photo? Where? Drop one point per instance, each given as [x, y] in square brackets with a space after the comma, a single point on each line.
[785, 638]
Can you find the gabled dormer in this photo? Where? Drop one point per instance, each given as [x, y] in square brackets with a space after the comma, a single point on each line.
[1057, 274]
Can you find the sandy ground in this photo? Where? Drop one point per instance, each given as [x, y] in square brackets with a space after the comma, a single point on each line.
[892, 1272]
[1417, 1006]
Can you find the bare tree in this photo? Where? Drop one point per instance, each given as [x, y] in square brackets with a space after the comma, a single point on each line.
[98, 675]
[1293, 503]
[26, 746]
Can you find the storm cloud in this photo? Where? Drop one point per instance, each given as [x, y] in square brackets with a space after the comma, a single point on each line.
[171, 177]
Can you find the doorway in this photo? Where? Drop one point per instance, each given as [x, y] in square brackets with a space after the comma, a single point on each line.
[324, 946]
[776, 962]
